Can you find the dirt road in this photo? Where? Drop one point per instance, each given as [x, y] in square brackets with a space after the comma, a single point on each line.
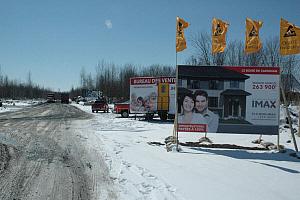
[43, 155]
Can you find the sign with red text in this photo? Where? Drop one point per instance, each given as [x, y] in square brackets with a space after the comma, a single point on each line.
[263, 103]
[229, 99]
[144, 94]
[192, 127]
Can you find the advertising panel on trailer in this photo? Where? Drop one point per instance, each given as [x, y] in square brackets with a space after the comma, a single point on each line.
[151, 95]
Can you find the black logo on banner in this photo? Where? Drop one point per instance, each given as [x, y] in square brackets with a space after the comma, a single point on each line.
[290, 32]
[218, 30]
[253, 32]
[264, 104]
[179, 32]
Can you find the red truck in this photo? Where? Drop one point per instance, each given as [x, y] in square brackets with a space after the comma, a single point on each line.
[122, 108]
[100, 105]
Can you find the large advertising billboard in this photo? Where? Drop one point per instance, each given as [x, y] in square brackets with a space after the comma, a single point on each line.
[152, 94]
[228, 99]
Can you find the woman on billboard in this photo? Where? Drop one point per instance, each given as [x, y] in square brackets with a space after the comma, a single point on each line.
[188, 116]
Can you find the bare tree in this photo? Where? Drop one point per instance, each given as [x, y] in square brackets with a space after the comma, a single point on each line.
[16, 89]
[219, 58]
[234, 55]
[83, 78]
[192, 60]
[271, 56]
[201, 42]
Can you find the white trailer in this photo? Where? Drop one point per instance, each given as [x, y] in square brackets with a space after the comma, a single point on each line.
[153, 95]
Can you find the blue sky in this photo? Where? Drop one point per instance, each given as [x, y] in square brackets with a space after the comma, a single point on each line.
[55, 39]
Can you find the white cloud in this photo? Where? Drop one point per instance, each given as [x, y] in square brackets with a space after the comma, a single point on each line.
[108, 23]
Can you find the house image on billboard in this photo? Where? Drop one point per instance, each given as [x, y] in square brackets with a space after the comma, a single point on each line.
[225, 89]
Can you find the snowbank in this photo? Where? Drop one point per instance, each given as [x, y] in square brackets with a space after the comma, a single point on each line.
[14, 105]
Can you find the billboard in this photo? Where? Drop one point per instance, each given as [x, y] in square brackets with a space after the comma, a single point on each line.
[91, 95]
[228, 99]
[152, 94]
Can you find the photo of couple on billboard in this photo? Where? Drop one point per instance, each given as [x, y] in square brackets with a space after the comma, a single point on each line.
[143, 104]
[193, 109]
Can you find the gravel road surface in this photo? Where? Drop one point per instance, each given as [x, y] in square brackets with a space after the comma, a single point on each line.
[44, 155]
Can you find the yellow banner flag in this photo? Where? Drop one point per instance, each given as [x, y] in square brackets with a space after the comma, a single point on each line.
[289, 38]
[180, 40]
[253, 43]
[219, 30]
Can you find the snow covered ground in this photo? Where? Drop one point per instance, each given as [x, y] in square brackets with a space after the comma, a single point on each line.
[143, 171]
[13, 105]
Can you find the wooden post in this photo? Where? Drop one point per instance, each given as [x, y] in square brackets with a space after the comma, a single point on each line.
[289, 118]
[299, 123]
[176, 106]
[278, 141]
[176, 91]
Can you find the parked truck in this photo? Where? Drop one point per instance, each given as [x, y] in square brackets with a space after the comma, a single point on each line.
[51, 97]
[64, 97]
[122, 108]
[100, 105]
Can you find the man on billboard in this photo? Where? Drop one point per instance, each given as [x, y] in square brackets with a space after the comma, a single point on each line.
[201, 106]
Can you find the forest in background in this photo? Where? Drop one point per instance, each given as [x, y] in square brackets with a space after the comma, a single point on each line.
[15, 89]
[113, 80]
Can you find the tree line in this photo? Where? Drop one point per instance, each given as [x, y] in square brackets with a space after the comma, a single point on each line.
[234, 56]
[113, 80]
[15, 89]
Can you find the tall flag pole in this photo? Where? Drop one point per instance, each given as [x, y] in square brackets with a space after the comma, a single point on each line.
[219, 30]
[252, 43]
[289, 38]
[180, 46]
[289, 45]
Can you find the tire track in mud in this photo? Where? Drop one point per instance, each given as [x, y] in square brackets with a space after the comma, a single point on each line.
[45, 160]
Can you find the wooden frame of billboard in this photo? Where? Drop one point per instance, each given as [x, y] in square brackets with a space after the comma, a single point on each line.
[289, 119]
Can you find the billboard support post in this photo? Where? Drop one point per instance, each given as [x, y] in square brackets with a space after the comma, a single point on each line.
[299, 123]
[289, 117]
[278, 141]
[176, 107]
[278, 134]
